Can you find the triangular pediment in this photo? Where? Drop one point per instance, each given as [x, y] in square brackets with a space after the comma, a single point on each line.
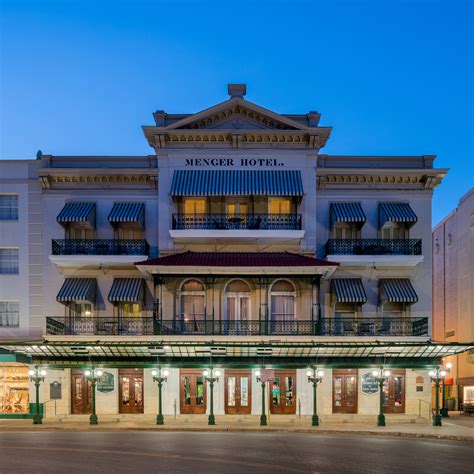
[235, 114]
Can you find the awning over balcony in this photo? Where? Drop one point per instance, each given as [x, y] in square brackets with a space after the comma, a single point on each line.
[126, 290]
[128, 212]
[77, 212]
[237, 183]
[80, 290]
[347, 212]
[397, 290]
[231, 263]
[349, 290]
[396, 212]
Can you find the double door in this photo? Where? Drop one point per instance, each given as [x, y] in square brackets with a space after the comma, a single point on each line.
[344, 391]
[283, 393]
[81, 393]
[192, 392]
[394, 392]
[238, 392]
[131, 391]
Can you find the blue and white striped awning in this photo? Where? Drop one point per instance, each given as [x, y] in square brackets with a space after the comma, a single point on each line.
[347, 212]
[77, 212]
[237, 183]
[349, 290]
[397, 290]
[128, 212]
[126, 290]
[396, 212]
[79, 290]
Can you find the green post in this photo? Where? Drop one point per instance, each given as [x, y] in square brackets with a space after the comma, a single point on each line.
[437, 417]
[315, 418]
[263, 416]
[159, 418]
[211, 419]
[93, 419]
[37, 417]
[381, 417]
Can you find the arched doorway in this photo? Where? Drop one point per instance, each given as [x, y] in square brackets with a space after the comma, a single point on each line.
[237, 307]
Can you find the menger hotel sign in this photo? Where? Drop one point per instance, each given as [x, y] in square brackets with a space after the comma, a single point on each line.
[243, 162]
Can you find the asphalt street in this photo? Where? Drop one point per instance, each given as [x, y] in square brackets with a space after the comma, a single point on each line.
[71, 452]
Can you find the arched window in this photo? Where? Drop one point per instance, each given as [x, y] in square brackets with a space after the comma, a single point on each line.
[193, 301]
[282, 303]
[237, 302]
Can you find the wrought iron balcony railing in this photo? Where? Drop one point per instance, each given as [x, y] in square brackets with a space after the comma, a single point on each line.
[373, 247]
[237, 221]
[100, 247]
[143, 326]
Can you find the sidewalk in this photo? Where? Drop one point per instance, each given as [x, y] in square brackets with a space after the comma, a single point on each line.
[420, 429]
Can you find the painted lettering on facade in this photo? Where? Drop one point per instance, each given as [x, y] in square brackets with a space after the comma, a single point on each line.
[230, 162]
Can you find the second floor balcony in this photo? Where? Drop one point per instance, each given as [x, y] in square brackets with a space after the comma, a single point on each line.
[91, 252]
[390, 252]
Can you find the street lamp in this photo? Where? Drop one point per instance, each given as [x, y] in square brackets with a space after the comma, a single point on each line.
[315, 377]
[94, 376]
[444, 408]
[37, 376]
[160, 376]
[212, 376]
[437, 375]
[263, 416]
[381, 376]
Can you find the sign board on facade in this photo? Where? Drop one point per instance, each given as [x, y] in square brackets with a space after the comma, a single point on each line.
[369, 384]
[243, 162]
[106, 383]
[55, 391]
[267, 375]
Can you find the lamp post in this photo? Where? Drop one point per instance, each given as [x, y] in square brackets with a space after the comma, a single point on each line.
[315, 377]
[263, 416]
[381, 376]
[94, 376]
[444, 408]
[160, 376]
[212, 376]
[437, 376]
[37, 376]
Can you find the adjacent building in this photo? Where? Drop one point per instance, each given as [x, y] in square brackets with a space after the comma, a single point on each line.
[236, 244]
[453, 288]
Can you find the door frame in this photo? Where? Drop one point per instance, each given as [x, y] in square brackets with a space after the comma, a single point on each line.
[283, 409]
[345, 373]
[192, 409]
[390, 407]
[238, 373]
[131, 373]
[87, 410]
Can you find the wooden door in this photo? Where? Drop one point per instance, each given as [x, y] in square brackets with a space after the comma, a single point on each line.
[192, 400]
[394, 392]
[344, 391]
[130, 390]
[238, 392]
[283, 393]
[81, 393]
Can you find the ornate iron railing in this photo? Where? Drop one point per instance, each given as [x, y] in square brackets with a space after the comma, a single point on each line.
[100, 247]
[142, 326]
[373, 247]
[237, 221]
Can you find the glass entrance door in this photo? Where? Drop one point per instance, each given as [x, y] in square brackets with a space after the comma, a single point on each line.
[192, 392]
[283, 393]
[81, 393]
[131, 391]
[238, 392]
[394, 392]
[344, 391]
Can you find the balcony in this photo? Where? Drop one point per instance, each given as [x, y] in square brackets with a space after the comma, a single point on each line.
[147, 326]
[381, 252]
[236, 227]
[98, 252]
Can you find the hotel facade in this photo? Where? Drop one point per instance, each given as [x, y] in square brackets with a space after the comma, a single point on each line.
[238, 245]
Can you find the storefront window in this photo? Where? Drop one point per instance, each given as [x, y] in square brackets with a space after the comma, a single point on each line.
[14, 389]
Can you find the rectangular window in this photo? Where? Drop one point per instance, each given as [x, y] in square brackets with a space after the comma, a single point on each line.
[279, 206]
[128, 232]
[8, 261]
[8, 207]
[194, 206]
[344, 231]
[79, 232]
[14, 389]
[9, 314]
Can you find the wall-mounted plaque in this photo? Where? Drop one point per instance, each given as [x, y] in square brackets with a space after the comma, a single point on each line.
[55, 390]
[106, 383]
[369, 384]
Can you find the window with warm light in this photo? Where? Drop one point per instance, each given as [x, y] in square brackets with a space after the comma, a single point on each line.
[194, 206]
[279, 206]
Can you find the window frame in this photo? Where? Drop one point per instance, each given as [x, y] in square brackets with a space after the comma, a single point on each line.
[9, 302]
[12, 215]
[17, 272]
[272, 293]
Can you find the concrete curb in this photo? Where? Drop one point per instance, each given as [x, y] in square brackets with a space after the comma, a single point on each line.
[217, 429]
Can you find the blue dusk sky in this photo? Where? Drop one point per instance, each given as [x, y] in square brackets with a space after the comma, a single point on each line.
[393, 77]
